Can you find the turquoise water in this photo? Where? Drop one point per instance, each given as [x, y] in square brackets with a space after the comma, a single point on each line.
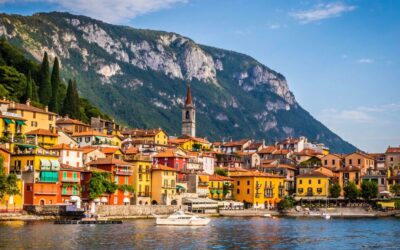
[221, 233]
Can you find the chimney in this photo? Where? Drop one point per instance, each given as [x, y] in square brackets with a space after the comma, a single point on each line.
[28, 102]
[46, 108]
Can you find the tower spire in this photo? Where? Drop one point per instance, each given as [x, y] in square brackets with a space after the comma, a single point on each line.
[189, 96]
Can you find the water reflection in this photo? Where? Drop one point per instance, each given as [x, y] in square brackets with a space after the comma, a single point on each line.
[222, 233]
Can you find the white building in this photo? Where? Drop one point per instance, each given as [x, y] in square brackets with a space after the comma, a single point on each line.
[69, 155]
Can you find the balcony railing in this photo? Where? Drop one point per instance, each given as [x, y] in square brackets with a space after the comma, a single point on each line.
[169, 186]
[123, 172]
[310, 194]
[70, 179]
[144, 170]
[143, 194]
[203, 183]
[70, 192]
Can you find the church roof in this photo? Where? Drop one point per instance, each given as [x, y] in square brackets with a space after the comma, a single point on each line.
[189, 96]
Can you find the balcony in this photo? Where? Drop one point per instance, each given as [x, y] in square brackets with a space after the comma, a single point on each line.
[144, 170]
[169, 186]
[70, 192]
[70, 179]
[143, 194]
[310, 194]
[258, 186]
[123, 172]
[203, 183]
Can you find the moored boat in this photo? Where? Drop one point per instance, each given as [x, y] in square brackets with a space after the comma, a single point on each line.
[179, 218]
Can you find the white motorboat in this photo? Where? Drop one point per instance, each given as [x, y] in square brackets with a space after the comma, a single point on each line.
[326, 216]
[179, 218]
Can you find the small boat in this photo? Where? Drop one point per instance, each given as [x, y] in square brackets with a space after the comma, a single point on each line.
[179, 218]
[326, 216]
[267, 215]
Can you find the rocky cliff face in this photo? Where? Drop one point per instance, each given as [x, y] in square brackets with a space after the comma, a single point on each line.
[139, 76]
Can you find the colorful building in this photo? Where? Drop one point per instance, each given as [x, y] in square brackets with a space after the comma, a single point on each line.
[147, 136]
[141, 166]
[121, 174]
[220, 187]
[72, 125]
[11, 202]
[163, 185]
[173, 158]
[314, 185]
[12, 127]
[256, 189]
[69, 155]
[70, 188]
[42, 137]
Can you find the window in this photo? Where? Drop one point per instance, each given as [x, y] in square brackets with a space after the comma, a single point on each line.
[248, 183]
[319, 181]
[391, 158]
[238, 183]
[87, 139]
[64, 190]
[350, 161]
[126, 180]
[248, 191]
[34, 115]
[300, 181]
[359, 161]
[333, 162]
[238, 191]
[309, 181]
[64, 175]
[140, 177]
[300, 190]
[325, 162]
[75, 175]
[116, 180]
[382, 181]
[319, 190]
[187, 115]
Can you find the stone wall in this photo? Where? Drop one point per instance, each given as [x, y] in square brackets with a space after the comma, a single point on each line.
[45, 210]
[136, 210]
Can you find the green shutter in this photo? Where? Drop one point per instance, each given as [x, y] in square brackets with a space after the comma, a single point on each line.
[19, 122]
[64, 174]
[74, 175]
[64, 190]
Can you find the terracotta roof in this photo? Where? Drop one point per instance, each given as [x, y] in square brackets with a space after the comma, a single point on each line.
[162, 168]
[68, 167]
[240, 153]
[255, 145]
[109, 161]
[107, 150]
[391, 150]
[253, 174]
[217, 143]
[65, 146]
[70, 121]
[177, 140]
[12, 117]
[235, 143]
[20, 106]
[290, 141]
[131, 151]
[308, 152]
[169, 153]
[41, 131]
[281, 152]
[217, 177]
[188, 100]
[336, 155]
[267, 150]
[396, 177]
[141, 132]
[314, 174]
[94, 169]
[362, 154]
[88, 133]
[88, 149]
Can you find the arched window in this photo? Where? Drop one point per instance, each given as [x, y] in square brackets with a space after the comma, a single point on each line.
[187, 115]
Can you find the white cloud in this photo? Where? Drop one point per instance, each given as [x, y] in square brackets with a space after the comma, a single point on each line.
[365, 60]
[114, 11]
[274, 26]
[340, 116]
[322, 11]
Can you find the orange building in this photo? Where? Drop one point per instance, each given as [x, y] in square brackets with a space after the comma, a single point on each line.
[121, 174]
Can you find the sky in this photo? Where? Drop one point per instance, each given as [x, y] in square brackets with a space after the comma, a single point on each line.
[341, 58]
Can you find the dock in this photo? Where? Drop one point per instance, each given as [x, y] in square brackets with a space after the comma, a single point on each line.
[102, 222]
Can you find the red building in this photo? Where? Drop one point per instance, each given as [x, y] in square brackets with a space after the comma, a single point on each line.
[121, 174]
[173, 158]
[70, 188]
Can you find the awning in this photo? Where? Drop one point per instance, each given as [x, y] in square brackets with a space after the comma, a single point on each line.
[180, 187]
[19, 122]
[75, 198]
[103, 199]
[219, 191]
[126, 200]
[45, 163]
[24, 146]
[99, 137]
[96, 200]
[8, 121]
[55, 164]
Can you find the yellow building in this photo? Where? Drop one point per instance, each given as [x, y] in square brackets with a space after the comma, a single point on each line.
[149, 136]
[163, 185]
[191, 143]
[112, 152]
[256, 189]
[36, 118]
[220, 187]
[11, 202]
[314, 184]
[42, 137]
[115, 140]
[12, 127]
[142, 179]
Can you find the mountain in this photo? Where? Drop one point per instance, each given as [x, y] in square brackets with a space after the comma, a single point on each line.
[140, 76]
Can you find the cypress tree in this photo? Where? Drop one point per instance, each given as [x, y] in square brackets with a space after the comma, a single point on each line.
[71, 101]
[45, 84]
[28, 89]
[35, 95]
[55, 82]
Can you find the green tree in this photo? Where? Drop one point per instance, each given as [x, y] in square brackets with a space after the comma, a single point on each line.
[286, 203]
[395, 189]
[369, 190]
[100, 184]
[351, 191]
[71, 101]
[221, 171]
[35, 92]
[8, 183]
[45, 92]
[334, 190]
[13, 82]
[28, 89]
[55, 83]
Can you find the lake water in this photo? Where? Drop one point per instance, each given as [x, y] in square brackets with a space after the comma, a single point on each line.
[221, 233]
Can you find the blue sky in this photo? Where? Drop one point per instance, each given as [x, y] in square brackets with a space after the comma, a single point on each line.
[341, 58]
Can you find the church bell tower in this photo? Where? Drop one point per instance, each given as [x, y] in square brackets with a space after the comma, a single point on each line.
[189, 115]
